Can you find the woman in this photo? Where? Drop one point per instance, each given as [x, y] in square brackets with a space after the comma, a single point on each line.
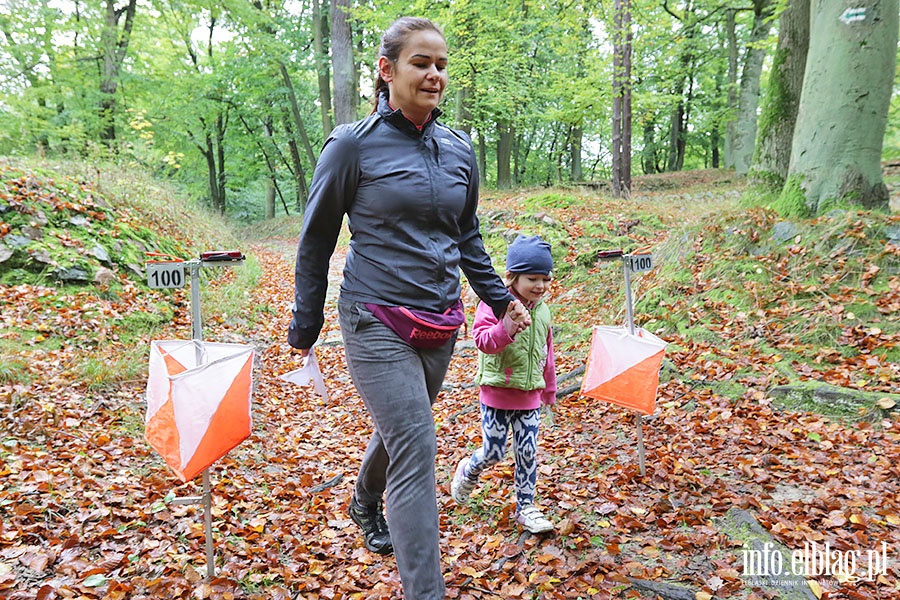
[409, 186]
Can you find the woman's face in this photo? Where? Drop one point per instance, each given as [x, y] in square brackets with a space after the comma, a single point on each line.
[419, 76]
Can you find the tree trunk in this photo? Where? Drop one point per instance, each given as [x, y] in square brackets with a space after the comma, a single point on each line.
[748, 102]
[575, 160]
[779, 111]
[301, 194]
[270, 198]
[551, 157]
[679, 121]
[838, 139]
[504, 151]
[295, 111]
[342, 62]
[677, 140]
[115, 48]
[211, 151]
[621, 121]
[271, 179]
[514, 171]
[463, 116]
[208, 153]
[355, 75]
[648, 154]
[221, 178]
[323, 73]
[732, 101]
[482, 159]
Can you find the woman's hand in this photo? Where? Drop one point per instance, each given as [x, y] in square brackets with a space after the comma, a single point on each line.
[519, 314]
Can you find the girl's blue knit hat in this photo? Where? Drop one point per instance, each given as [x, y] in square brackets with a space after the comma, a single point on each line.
[529, 255]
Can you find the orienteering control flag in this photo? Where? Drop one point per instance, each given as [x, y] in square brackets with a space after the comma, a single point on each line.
[623, 368]
[308, 373]
[198, 402]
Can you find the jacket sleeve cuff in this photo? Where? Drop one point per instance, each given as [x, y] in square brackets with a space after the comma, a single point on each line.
[509, 326]
[499, 307]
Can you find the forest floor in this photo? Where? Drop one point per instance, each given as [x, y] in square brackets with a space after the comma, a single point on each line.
[88, 507]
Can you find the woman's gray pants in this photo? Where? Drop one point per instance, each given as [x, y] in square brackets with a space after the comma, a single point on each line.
[398, 384]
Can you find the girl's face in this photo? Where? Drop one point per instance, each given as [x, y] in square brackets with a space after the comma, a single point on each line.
[418, 77]
[531, 287]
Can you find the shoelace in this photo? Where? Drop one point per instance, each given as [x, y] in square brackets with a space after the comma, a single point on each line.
[380, 521]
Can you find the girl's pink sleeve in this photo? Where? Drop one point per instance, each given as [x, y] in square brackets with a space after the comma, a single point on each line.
[491, 335]
[548, 396]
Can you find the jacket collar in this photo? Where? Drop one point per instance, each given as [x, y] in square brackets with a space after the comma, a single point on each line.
[398, 120]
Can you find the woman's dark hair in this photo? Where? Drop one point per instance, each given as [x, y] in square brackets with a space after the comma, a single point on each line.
[392, 42]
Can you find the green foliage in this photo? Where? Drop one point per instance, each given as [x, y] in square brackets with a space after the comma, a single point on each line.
[204, 104]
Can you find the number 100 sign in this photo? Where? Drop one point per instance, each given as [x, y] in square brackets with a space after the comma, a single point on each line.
[640, 262]
[165, 275]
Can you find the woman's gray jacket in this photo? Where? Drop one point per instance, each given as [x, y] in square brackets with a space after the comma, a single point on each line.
[410, 195]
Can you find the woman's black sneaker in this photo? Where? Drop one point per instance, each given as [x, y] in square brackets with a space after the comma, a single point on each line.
[370, 519]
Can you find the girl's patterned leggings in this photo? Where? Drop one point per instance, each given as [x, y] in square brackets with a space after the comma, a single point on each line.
[495, 426]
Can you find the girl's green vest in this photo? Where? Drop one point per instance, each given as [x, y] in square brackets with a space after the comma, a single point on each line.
[521, 364]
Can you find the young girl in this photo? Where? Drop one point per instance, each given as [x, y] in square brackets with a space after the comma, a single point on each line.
[517, 374]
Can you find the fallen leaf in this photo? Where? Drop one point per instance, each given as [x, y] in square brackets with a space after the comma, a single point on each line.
[886, 403]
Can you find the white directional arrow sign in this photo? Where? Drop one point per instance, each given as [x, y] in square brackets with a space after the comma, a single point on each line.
[853, 14]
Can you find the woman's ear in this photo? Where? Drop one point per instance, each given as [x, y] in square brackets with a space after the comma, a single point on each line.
[385, 69]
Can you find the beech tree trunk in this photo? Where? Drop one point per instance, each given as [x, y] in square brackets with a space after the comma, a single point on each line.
[115, 47]
[504, 153]
[779, 111]
[323, 73]
[748, 101]
[213, 150]
[463, 115]
[621, 121]
[838, 139]
[732, 103]
[575, 148]
[342, 63]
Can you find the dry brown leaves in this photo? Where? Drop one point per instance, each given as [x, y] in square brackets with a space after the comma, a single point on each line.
[85, 514]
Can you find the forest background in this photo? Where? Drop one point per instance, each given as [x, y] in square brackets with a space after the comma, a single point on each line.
[130, 127]
[232, 100]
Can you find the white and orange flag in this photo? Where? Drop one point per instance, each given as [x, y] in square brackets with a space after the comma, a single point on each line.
[307, 374]
[623, 368]
[198, 402]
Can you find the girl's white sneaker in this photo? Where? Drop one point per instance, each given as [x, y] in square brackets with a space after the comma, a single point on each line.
[461, 487]
[533, 520]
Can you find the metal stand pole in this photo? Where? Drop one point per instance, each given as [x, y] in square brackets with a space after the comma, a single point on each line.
[629, 316]
[207, 524]
[197, 335]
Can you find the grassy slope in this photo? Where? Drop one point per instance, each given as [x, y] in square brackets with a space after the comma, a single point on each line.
[100, 222]
[751, 295]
